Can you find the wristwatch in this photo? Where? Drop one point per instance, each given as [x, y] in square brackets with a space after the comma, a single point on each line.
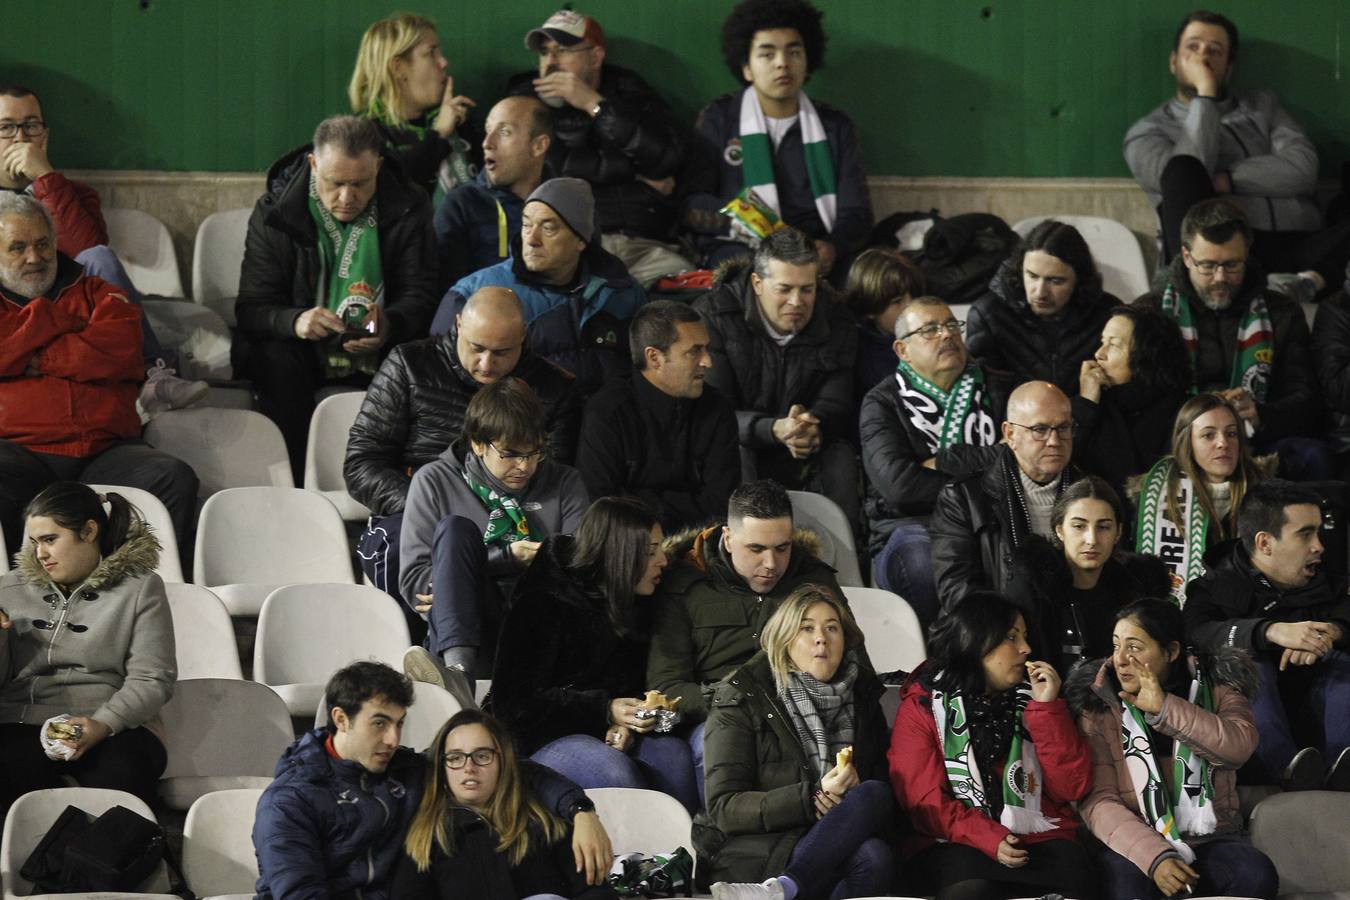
[581, 806]
[595, 110]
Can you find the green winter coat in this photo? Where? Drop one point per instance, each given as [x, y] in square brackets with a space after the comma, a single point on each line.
[759, 780]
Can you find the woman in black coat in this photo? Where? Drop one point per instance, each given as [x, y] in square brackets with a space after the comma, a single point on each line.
[1128, 395]
[571, 661]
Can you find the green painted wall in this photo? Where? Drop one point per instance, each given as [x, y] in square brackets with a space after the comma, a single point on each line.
[939, 87]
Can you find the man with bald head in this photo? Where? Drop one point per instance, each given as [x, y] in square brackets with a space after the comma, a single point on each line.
[982, 518]
[415, 408]
[475, 221]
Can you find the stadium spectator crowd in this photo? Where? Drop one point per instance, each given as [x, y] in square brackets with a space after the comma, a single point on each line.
[1110, 515]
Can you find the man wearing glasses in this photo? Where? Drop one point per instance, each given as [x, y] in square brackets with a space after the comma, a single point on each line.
[935, 418]
[980, 519]
[612, 130]
[1247, 342]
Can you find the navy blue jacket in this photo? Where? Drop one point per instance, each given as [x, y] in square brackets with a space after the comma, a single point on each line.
[469, 233]
[329, 828]
[582, 329]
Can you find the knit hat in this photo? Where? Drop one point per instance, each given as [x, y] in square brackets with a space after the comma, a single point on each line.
[568, 28]
[572, 199]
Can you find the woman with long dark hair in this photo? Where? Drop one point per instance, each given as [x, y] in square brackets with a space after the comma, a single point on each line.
[480, 832]
[985, 758]
[572, 657]
[1168, 731]
[85, 637]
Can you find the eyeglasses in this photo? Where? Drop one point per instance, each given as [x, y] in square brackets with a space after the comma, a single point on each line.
[562, 51]
[511, 456]
[1041, 433]
[931, 331]
[1209, 266]
[484, 756]
[30, 127]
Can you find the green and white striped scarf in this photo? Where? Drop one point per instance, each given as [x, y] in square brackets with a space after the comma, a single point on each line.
[1255, 354]
[1187, 808]
[1181, 550]
[964, 415]
[757, 155]
[351, 274]
[506, 520]
[1022, 780]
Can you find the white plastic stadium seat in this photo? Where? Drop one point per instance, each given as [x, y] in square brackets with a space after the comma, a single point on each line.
[433, 707]
[823, 516]
[156, 515]
[34, 813]
[1114, 248]
[1307, 835]
[4, 555]
[217, 255]
[641, 821]
[329, 428]
[218, 857]
[145, 248]
[252, 540]
[221, 734]
[894, 636]
[306, 632]
[203, 634]
[227, 448]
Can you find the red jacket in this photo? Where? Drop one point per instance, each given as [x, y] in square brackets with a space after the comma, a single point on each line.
[919, 776]
[86, 345]
[76, 210]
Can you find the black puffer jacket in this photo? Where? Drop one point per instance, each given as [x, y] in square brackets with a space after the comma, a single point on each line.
[414, 409]
[1331, 356]
[635, 134]
[894, 450]
[279, 277]
[763, 380]
[1003, 333]
[1292, 405]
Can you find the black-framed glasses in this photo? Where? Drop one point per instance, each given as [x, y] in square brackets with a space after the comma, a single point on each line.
[30, 127]
[1041, 433]
[931, 331]
[511, 456]
[483, 756]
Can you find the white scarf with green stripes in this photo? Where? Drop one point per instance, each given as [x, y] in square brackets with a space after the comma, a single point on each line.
[757, 156]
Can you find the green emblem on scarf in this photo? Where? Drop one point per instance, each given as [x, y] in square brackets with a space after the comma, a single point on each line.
[1182, 551]
[506, 521]
[966, 398]
[351, 275]
[1255, 355]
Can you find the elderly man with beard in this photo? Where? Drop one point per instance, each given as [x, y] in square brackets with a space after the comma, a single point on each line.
[1247, 342]
[70, 370]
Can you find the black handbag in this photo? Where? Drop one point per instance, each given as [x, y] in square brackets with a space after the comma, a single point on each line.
[115, 852]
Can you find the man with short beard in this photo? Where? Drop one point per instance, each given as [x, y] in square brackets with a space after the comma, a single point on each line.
[1247, 342]
[70, 370]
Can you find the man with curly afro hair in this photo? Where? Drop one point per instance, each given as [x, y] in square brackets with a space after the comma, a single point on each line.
[801, 159]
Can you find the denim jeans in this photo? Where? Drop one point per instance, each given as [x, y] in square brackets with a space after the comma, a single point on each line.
[1227, 867]
[1324, 688]
[905, 567]
[845, 853]
[696, 751]
[659, 762]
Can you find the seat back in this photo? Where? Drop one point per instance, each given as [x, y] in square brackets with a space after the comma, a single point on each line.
[432, 708]
[218, 856]
[203, 634]
[640, 821]
[4, 555]
[329, 428]
[892, 630]
[156, 515]
[221, 733]
[1114, 249]
[218, 255]
[270, 535]
[145, 248]
[306, 632]
[227, 448]
[822, 515]
[1307, 835]
[33, 814]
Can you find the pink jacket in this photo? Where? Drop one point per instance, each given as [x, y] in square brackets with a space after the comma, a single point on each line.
[1225, 737]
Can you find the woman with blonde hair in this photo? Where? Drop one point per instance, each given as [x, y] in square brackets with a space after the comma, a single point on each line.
[1189, 499]
[400, 82]
[480, 832]
[795, 761]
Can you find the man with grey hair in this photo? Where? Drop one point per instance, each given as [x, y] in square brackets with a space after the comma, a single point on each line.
[70, 371]
[783, 355]
[339, 264]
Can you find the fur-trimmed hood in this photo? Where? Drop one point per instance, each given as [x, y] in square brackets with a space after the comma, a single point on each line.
[1092, 685]
[691, 545]
[138, 555]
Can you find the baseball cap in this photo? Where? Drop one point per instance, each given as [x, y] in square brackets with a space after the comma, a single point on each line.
[568, 28]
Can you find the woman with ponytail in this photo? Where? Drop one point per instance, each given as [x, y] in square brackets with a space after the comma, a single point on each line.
[86, 638]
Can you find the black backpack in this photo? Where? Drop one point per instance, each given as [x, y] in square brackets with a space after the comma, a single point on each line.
[959, 255]
[115, 852]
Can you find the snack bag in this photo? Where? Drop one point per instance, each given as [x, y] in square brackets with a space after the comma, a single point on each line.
[751, 218]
